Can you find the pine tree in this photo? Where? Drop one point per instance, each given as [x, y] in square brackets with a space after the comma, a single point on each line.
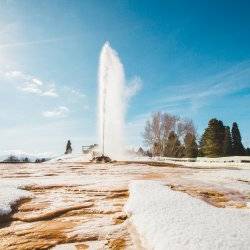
[227, 144]
[12, 158]
[140, 151]
[212, 139]
[191, 147]
[26, 159]
[68, 148]
[201, 145]
[173, 147]
[248, 151]
[238, 148]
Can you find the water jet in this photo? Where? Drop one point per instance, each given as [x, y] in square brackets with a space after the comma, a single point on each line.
[111, 105]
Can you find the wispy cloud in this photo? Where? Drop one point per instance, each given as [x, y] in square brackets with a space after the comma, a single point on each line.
[57, 112]
[76, 93]
[31, 84]
[27, 43]
[202, 92]
[50, 92]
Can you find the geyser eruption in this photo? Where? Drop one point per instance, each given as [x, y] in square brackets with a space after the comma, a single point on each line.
[111, 99]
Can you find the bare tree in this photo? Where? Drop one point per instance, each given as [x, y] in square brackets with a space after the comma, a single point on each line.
[159, 131]
[153, 133]
[184, 127]
[169, 123]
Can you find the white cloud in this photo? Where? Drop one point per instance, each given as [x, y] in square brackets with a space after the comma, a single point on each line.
[34, 85]
[27, 43]
[58, 112]
[30, 84]
[37, 82]
[77, 93]
[71, 92]
[31, 89]
[17, 75]
[51, 92]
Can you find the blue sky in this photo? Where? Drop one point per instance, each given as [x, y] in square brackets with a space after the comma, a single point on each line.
[193, 59]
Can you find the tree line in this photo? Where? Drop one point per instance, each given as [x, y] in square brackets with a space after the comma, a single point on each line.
[219, 140]
[172, 136]
[14, 159]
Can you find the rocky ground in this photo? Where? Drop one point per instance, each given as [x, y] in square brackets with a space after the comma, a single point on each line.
[80, 205]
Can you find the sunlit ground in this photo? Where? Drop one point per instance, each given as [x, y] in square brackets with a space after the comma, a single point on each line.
[81, 204]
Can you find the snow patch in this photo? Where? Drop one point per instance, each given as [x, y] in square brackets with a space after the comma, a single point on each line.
[200, 162]
[9, 196]
[166, 219]
[77, 157]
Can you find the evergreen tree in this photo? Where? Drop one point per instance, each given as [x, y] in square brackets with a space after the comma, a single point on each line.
[212, 139]
[200, 146]
[140, 151]
[12, 158]
[68, 148]
[191, 147]
[248, 151]
[238, 148]
[227, 144]
[149, 153]
[173, 147]
[200, 154]
[26, 159]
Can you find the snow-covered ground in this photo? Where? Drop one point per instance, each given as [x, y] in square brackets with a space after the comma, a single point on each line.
[206, 162]
[9, 195]
[166, 219]
[77, 157]
[199, 162]
[84, 202]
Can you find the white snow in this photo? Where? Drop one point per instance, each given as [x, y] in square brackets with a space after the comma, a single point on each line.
[199, 162]
[76, 157]
[9, 196]
[65, 247]
[167, 219]
[228, 178]
[202, 162]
